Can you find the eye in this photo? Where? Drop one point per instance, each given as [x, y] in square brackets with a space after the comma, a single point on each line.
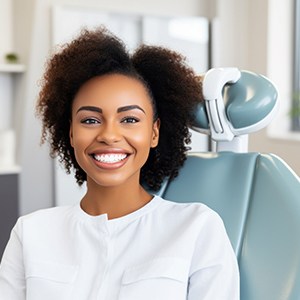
[90, 121]
[130, 120]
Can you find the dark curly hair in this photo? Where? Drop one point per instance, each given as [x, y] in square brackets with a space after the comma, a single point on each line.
[174, 89]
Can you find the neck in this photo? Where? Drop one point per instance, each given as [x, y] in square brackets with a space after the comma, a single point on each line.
[114, 201]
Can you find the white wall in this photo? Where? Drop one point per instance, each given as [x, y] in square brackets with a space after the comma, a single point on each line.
[231, 34]
[6, 28]
[281, 50]
[6, 45]
[154, 7]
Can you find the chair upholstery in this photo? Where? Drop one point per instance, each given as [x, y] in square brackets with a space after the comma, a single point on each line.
[258, 197]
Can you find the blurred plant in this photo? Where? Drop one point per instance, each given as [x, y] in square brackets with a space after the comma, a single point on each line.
[295, 111]
[11, 57]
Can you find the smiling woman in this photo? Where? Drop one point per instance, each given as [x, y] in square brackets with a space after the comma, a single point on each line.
[121, 122]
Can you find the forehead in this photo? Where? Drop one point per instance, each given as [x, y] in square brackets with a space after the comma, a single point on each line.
[112, 90]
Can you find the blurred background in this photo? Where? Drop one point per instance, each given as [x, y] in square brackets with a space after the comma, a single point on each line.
[256, 35]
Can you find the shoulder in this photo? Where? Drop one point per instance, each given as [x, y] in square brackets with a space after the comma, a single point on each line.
[40, 219]
[193, 212]
[48, 213]
[194, 208]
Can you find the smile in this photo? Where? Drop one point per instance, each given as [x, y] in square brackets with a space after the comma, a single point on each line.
[110, 158]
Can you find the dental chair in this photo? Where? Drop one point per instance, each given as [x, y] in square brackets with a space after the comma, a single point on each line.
[257, 195]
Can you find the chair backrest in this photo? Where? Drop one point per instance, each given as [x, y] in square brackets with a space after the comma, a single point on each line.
[258, 197]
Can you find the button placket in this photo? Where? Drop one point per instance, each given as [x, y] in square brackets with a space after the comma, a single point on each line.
[105, 265]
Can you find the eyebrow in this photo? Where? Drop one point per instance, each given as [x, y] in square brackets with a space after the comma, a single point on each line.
[90, 108]
[120, 109]
[129, 107]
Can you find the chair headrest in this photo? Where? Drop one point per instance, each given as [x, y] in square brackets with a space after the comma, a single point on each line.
[236, 103]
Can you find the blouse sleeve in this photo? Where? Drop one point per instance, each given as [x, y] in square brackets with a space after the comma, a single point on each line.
[12, 279]
[214, 269]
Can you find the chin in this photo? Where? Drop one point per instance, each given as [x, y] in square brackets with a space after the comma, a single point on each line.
[110, 181]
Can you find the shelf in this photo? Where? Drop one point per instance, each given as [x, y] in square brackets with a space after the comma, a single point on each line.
[7, 170]
[12, 68]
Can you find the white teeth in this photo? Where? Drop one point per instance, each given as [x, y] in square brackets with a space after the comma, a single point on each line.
[110, 158]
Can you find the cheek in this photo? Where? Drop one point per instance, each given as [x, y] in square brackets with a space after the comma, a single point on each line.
[141, 139]
[141, 142]
[80, 140]
[80, 143]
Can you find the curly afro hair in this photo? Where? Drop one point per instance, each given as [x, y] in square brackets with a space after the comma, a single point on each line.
[174, 88]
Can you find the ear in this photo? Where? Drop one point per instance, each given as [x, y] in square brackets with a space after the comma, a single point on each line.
[71, 134]
[155, 133]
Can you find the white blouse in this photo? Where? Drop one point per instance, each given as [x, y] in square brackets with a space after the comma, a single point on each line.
[163, 251]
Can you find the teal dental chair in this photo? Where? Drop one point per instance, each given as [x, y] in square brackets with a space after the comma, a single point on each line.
[257, 195]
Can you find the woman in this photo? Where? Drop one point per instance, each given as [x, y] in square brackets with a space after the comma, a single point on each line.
[121, 122]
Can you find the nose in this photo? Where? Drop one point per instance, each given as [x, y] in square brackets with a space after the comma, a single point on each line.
[109, 133]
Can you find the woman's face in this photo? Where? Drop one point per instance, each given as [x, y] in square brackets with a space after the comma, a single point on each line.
[112, 129]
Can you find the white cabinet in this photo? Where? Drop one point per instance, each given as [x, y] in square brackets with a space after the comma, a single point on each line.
[9, 170]
[9, 79]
